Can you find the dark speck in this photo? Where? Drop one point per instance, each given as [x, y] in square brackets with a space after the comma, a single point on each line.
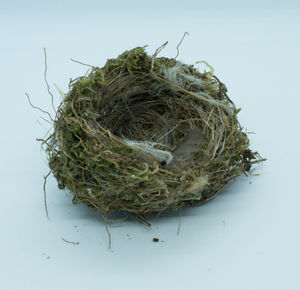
[163, 163]
[155, 240]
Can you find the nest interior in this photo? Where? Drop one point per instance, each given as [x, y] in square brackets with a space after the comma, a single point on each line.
[143, 134]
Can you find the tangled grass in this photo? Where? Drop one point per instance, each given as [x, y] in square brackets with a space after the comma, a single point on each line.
[143, 134]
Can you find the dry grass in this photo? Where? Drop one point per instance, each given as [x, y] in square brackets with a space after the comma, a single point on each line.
[139, 99]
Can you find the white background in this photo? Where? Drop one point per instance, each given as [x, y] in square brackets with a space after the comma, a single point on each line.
[246, 238]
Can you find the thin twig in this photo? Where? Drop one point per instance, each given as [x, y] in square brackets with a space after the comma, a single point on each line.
[44, 140]
[74, 60]
[46, 120]
[258, 161]
[61, 93]
[186, 33]
[37, 108]
[143, 221]
[222, 86]
[107, 230]
[87, 72]
[70, 242]
[169, 131]
[45, 77]
[45, 195]
[155, 55]
[179, 224]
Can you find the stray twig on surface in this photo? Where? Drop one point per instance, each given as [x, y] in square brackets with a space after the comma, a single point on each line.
[45, 196]
[70, 242]
[108, 233]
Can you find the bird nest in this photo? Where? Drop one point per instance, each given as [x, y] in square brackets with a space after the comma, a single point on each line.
[146, 133]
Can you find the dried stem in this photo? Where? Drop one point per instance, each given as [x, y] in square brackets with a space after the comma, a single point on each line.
[46, 81]
[157, 51]
[179, 222]
[177, 47]
[70, 242]
[108, 233]
[45, 195]
[38, 108]
[82, 63]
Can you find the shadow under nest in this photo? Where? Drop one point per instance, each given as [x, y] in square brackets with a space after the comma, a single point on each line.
[143, 134]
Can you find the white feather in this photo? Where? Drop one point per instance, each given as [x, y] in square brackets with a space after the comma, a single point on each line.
[178, 75]
[148, 148]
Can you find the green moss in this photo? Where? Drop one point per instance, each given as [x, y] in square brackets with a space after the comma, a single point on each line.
[131, 97]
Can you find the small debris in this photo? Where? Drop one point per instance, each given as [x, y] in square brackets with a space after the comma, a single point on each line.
[155, 240]
[69, 242]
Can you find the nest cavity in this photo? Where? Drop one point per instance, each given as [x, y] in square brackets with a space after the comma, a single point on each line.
[143, 134]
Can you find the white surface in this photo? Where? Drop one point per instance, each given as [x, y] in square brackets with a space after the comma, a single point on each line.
[247, 238]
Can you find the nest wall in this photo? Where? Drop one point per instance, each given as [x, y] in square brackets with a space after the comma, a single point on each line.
[137, 101]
